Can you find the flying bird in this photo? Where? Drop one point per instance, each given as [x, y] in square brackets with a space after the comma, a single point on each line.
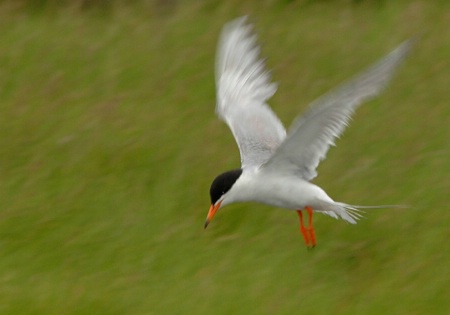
[277, 166]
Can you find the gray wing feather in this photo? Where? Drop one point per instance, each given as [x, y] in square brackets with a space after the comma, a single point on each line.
[243, 86]
[310, 136]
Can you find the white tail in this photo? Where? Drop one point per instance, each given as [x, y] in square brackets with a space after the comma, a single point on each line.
[352, 213]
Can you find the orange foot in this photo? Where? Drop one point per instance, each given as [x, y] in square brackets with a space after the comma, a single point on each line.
[308, 233]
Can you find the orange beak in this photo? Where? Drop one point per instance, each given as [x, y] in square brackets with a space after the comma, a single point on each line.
[212, 211]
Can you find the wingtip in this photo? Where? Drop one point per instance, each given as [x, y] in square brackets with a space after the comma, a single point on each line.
[405, 48]
[236, 23]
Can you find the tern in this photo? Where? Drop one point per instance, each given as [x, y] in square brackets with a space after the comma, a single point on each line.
[277, 166]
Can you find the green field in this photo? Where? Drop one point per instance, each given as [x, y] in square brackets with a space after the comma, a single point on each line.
[109, 142]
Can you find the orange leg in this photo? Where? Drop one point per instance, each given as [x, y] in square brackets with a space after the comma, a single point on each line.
[308, 233]
[312, 233]
[303, 229]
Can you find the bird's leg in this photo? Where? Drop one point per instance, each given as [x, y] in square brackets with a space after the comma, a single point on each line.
[312, 233]
[303, 230]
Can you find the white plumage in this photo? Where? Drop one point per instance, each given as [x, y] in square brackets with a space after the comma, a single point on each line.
[277, 167]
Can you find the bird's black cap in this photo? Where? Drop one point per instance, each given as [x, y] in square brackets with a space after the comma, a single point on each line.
[223, 183]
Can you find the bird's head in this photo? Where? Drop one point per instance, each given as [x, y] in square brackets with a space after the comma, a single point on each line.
[220, 187]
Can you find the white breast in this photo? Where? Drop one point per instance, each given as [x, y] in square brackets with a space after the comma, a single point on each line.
[288, 192]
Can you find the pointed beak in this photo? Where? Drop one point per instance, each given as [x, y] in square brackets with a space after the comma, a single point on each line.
[212, 211]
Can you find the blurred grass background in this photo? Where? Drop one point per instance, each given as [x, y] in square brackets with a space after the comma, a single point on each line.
[109, 142]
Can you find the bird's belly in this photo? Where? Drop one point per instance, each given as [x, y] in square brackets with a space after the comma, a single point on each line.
[285, 193]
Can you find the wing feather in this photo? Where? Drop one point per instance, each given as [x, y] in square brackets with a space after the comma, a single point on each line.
[243, 87]
[311, 136]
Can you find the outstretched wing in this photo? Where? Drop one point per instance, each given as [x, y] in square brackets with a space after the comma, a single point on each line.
[243, 86]
[311, 135]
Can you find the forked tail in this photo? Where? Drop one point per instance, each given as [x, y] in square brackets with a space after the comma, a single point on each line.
[352, 213]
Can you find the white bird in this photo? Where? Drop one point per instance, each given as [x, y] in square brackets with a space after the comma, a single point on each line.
[277, 167]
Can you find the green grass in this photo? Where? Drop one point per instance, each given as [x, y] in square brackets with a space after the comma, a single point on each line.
[109, 142]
